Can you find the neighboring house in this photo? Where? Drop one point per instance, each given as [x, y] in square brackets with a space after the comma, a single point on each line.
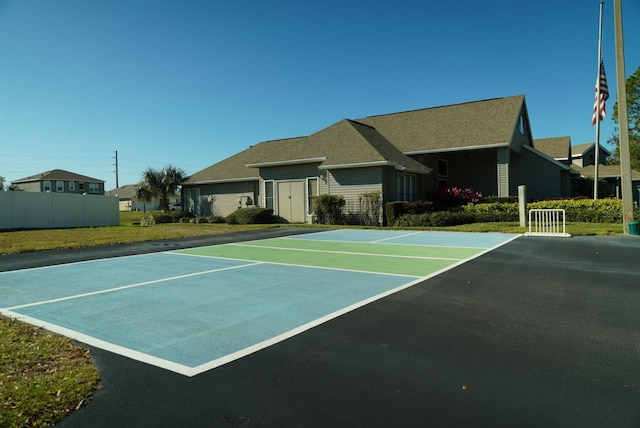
[60, 181]
[585, 154]
[129, 202]
[583, 165]
[483, 145]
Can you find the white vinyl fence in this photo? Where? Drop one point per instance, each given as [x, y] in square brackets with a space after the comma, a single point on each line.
[35, 210]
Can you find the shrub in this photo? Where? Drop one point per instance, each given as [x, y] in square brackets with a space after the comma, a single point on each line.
[413, 220]
[216, 219]
[394, 210]
[490, 212]
[454, 197]
[328, 209]
[451, 218]
[369, 205]
[253, 215]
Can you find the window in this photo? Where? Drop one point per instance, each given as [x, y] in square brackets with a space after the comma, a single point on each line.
[81, 187]
[406, 186]
[72, 186]
[268, 194]
[59, 186]
[521, 124]
[443, 168]
[46, 186]
[312, 193]
[443, 184]
[94, 188]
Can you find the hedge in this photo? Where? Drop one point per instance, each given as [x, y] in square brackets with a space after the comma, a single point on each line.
[577, 210]
[253, 215]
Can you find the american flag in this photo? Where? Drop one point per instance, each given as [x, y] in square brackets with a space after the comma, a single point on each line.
[598, 102]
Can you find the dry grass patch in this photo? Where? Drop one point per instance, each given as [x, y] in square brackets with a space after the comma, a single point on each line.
[43, 376]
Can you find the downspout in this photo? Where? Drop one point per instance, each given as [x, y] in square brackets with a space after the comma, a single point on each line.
[328, 184]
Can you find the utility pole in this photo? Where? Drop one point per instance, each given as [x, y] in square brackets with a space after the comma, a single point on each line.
[623, 120]
[117, 185]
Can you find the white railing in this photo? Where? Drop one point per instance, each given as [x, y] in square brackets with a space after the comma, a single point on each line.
[547, 222]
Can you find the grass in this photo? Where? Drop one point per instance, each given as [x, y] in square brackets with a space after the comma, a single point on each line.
[21, 241]
[44, 377]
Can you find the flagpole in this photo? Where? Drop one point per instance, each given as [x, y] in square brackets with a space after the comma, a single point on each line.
[597, 111]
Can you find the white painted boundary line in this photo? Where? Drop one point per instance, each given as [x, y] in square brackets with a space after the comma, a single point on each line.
[124, 287]
[101, 344]
[343, 252]
[295, 265]
[379, 241]
[396, 237]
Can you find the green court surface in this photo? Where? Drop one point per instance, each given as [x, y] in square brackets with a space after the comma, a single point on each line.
[397, 259]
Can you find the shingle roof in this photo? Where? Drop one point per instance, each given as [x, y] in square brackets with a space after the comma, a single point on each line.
[346, 143]
[123, 192]
[57, 174]
[581, 149]
[234, 169]
[478, 123]
[604, 171]
[379, 139]
[557, 148]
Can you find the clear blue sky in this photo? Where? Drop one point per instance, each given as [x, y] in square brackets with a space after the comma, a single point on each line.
[189, 83]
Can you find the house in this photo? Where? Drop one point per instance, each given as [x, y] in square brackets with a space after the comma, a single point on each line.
[127, 200]
[60, 181]
[484, 145]
[585, 154]
[581, 158]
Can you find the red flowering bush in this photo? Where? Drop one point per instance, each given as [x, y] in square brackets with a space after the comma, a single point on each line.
[454, 197]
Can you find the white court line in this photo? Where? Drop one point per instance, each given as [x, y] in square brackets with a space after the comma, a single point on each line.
[102, 344]
[124, 287]
[376, 242]
[76, 263]
[296, 265]
[395, 237]
[345, 252]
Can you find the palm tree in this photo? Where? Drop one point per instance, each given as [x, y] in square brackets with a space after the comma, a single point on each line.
[160, 184]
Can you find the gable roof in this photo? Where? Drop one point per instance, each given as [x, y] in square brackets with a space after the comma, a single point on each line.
[346, 144]
[488, 123]
[57, 174]
[380, 140]
[233, 168]
[604, 171]
[557, 147]
[123, 192]
[582, 149]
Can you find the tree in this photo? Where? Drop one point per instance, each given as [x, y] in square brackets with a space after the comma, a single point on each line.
[2, 179]
[160, 184]
[633, 108]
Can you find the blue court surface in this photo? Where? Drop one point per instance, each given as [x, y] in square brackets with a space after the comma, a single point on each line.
[192, 310]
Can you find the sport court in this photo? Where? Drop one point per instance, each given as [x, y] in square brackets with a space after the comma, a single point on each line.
[192, 310]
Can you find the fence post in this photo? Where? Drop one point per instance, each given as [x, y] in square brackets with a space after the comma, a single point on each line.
[522, 205]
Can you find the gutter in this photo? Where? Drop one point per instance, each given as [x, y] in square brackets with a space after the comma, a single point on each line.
[286, 162]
